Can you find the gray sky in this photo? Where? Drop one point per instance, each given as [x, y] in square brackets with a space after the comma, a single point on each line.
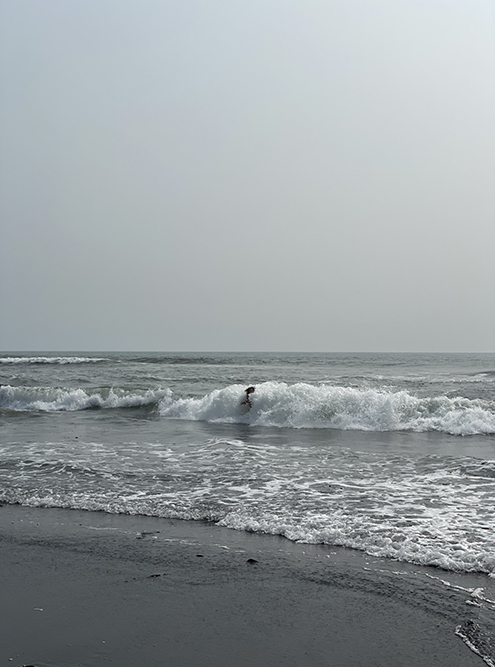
[261, 175]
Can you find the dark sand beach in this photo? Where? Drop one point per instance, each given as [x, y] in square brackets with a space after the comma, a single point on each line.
[82, 588]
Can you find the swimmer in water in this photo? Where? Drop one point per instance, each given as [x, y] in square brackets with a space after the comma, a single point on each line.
[247, 400]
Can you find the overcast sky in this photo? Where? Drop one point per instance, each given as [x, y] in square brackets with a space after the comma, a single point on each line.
[256, 175]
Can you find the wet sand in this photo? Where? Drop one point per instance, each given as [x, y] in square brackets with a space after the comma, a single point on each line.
[91, 589]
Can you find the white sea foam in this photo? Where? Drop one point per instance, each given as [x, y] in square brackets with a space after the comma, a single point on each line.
[49, 399]
[281, 405]
[303, 405]
[428, 511]
[51, 360]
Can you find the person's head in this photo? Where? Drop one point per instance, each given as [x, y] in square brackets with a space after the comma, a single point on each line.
[249, 390]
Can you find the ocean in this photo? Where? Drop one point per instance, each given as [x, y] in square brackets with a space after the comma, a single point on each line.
[391, 455]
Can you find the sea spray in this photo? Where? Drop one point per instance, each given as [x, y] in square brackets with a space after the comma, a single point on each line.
[303, 405]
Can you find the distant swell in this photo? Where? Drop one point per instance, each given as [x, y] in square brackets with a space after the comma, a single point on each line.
[51, 360]
[306, 406]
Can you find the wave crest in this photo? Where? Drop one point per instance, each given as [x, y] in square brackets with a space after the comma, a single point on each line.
[307, 406]
[51, 360]
[49, 399]
[278, 404]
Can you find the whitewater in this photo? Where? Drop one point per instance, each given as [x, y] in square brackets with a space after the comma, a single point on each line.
[300, 405]
[392, 455]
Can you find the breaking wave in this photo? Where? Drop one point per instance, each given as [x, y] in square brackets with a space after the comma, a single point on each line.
[47, 399]
[278, 404]
[307, 406]
[51, 360]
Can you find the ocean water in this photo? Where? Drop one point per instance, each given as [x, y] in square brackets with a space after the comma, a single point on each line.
[390, 454]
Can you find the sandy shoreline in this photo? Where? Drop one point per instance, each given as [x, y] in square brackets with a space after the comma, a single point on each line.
[82, 588]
